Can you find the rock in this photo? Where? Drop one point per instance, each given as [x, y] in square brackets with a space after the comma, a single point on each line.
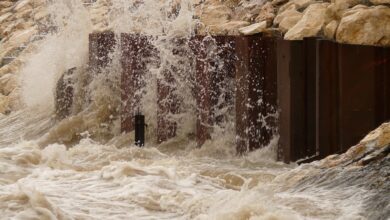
[349, 3]
[279, 2]
[303, 3]
[40, 14]
[310, 24]
[286, 14]
[4, 104]
[380, 2]
[5, 4]
[267, 13]
[370, 26]
[216, 15]
[8, 83]
[288, 6]
[23, 36]
[229, 28]
[254, 28]
[23, 4]
[330, 29]
[380, 137]
[5, 16]
[290, 21]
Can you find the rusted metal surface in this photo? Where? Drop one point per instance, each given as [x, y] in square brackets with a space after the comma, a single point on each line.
[382, 77]
[64, 94]
[291, 99]
[327, 132]
[136, 50]
[356, 93]
[214, 65]
[167, 100]
[255, 92]
[101, 45]
[330, 96]
[297, 99]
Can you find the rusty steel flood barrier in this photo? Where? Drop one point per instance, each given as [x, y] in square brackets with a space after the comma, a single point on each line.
[319, 96]
[211, 77]
[330, 96]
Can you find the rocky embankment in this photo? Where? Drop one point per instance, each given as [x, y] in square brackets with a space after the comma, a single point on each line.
[346, 21]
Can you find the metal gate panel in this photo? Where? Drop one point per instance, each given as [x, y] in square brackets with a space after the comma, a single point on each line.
[255, 92]
[136, 49]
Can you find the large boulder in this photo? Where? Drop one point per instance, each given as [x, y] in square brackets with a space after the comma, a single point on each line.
[288, 19]
[8, 83]
[362, 25]
[380, 2]
[229, 28]
[254, 28]
[311, 23]
[267, 13]
[216, 15]
[330, 29]
[4, 104]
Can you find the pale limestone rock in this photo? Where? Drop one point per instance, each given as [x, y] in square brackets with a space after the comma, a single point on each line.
[40, 14]
[310, 24]
[288, 6]
[37, 3]
[286, 14]
[5, 4]
[216, 15]
[349, 3]
[267, 13]
[14, 98]
[231, 3]
[229, 28]
[254, 28]
[380, 2]
[303, 3]
[330, 29]
[380, 137]
[290, 20]
[248, 10]
[4, 104]
[5, 16]
[22, 5]
[362, 25]
[26, 14]
[8, 83]
[22, 36]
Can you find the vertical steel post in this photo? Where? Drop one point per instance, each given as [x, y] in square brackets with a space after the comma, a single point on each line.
[214, 64]
[136, 49]
[356, 93]
[255, 92]
[100, 47]
[167, 100]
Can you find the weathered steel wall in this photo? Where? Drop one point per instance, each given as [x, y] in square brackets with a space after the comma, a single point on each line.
[136, 51]
[214, 66]
[167, 99]
[330, 96]
[255, 92]
[64, 94]
[101, 45]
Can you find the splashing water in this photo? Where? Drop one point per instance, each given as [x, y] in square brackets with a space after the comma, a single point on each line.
[83, 168]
